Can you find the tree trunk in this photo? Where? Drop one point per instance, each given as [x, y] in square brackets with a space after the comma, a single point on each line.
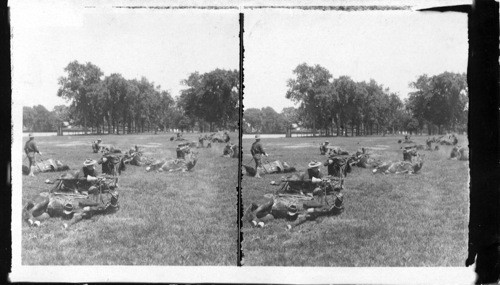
[85, 123]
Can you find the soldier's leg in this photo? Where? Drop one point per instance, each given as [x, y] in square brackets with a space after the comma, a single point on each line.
[77, 217]
[260, 222]
[249, 215]
[36, 209]
[37, 221]
[32, 165]
[264, 209]
[302, 218]
[258, 165]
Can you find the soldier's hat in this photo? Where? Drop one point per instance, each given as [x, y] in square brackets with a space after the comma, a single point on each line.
[313, 164]
[99, 140]
[89, 162]
[327, 142]
[257, 136]
[31, 135]
[68, 209]
[292, 210]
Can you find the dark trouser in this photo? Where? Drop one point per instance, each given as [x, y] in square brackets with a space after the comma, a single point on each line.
[260, 213]
[35, 208]
[258, 161]
[31, 158]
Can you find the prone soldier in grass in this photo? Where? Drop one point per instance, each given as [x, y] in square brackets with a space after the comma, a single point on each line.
[106, 203]
[326, 200]
[72, 208]
[328, 205]
[268, 211]
[81, 181]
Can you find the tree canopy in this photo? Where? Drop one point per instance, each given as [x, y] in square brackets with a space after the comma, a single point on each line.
[115, 104]
[327, 103]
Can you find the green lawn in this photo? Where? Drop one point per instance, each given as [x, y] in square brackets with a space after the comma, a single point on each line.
[164, 218]
[389, 220]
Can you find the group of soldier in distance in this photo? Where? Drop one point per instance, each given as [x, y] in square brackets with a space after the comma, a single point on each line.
[300, 196]
[307, 195]
[84, 193]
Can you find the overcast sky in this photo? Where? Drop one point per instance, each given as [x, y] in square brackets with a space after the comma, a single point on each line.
[165, 46]
[392, 47]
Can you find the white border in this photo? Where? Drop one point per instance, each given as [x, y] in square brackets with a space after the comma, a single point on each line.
[278, 275]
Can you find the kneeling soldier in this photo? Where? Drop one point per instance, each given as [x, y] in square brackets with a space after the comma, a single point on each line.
[323, 147]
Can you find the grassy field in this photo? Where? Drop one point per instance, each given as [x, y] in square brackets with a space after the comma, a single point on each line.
[389, 220]
[164, 218]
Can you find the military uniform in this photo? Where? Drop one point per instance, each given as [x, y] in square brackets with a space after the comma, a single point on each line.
[78, 181]
[407, 154]
[257, 151]
[331, 205]
[323, 148]
[96, 146]
[429, 144]
[338, 166]
[201, 141]
[103, 204]
[71, 208]
[268, 211]
[112, 164]
[182, 150]
[30, 148]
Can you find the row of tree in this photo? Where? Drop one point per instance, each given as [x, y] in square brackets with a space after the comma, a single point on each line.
[39, 119]
[210, 101]
[338, 105]
[110, 103]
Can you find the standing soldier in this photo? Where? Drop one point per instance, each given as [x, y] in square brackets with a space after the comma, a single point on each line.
[201, 141]
[257, 151]
[31, 149]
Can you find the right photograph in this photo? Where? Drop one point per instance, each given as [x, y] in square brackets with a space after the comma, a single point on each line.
[354, 147]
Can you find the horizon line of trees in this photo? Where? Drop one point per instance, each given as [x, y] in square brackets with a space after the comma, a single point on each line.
[336, 105]
[112, 103]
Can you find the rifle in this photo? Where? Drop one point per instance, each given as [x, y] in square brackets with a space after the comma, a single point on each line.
[83, 196]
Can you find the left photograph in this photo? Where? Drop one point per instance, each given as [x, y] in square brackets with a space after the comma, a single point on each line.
[129, 135]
